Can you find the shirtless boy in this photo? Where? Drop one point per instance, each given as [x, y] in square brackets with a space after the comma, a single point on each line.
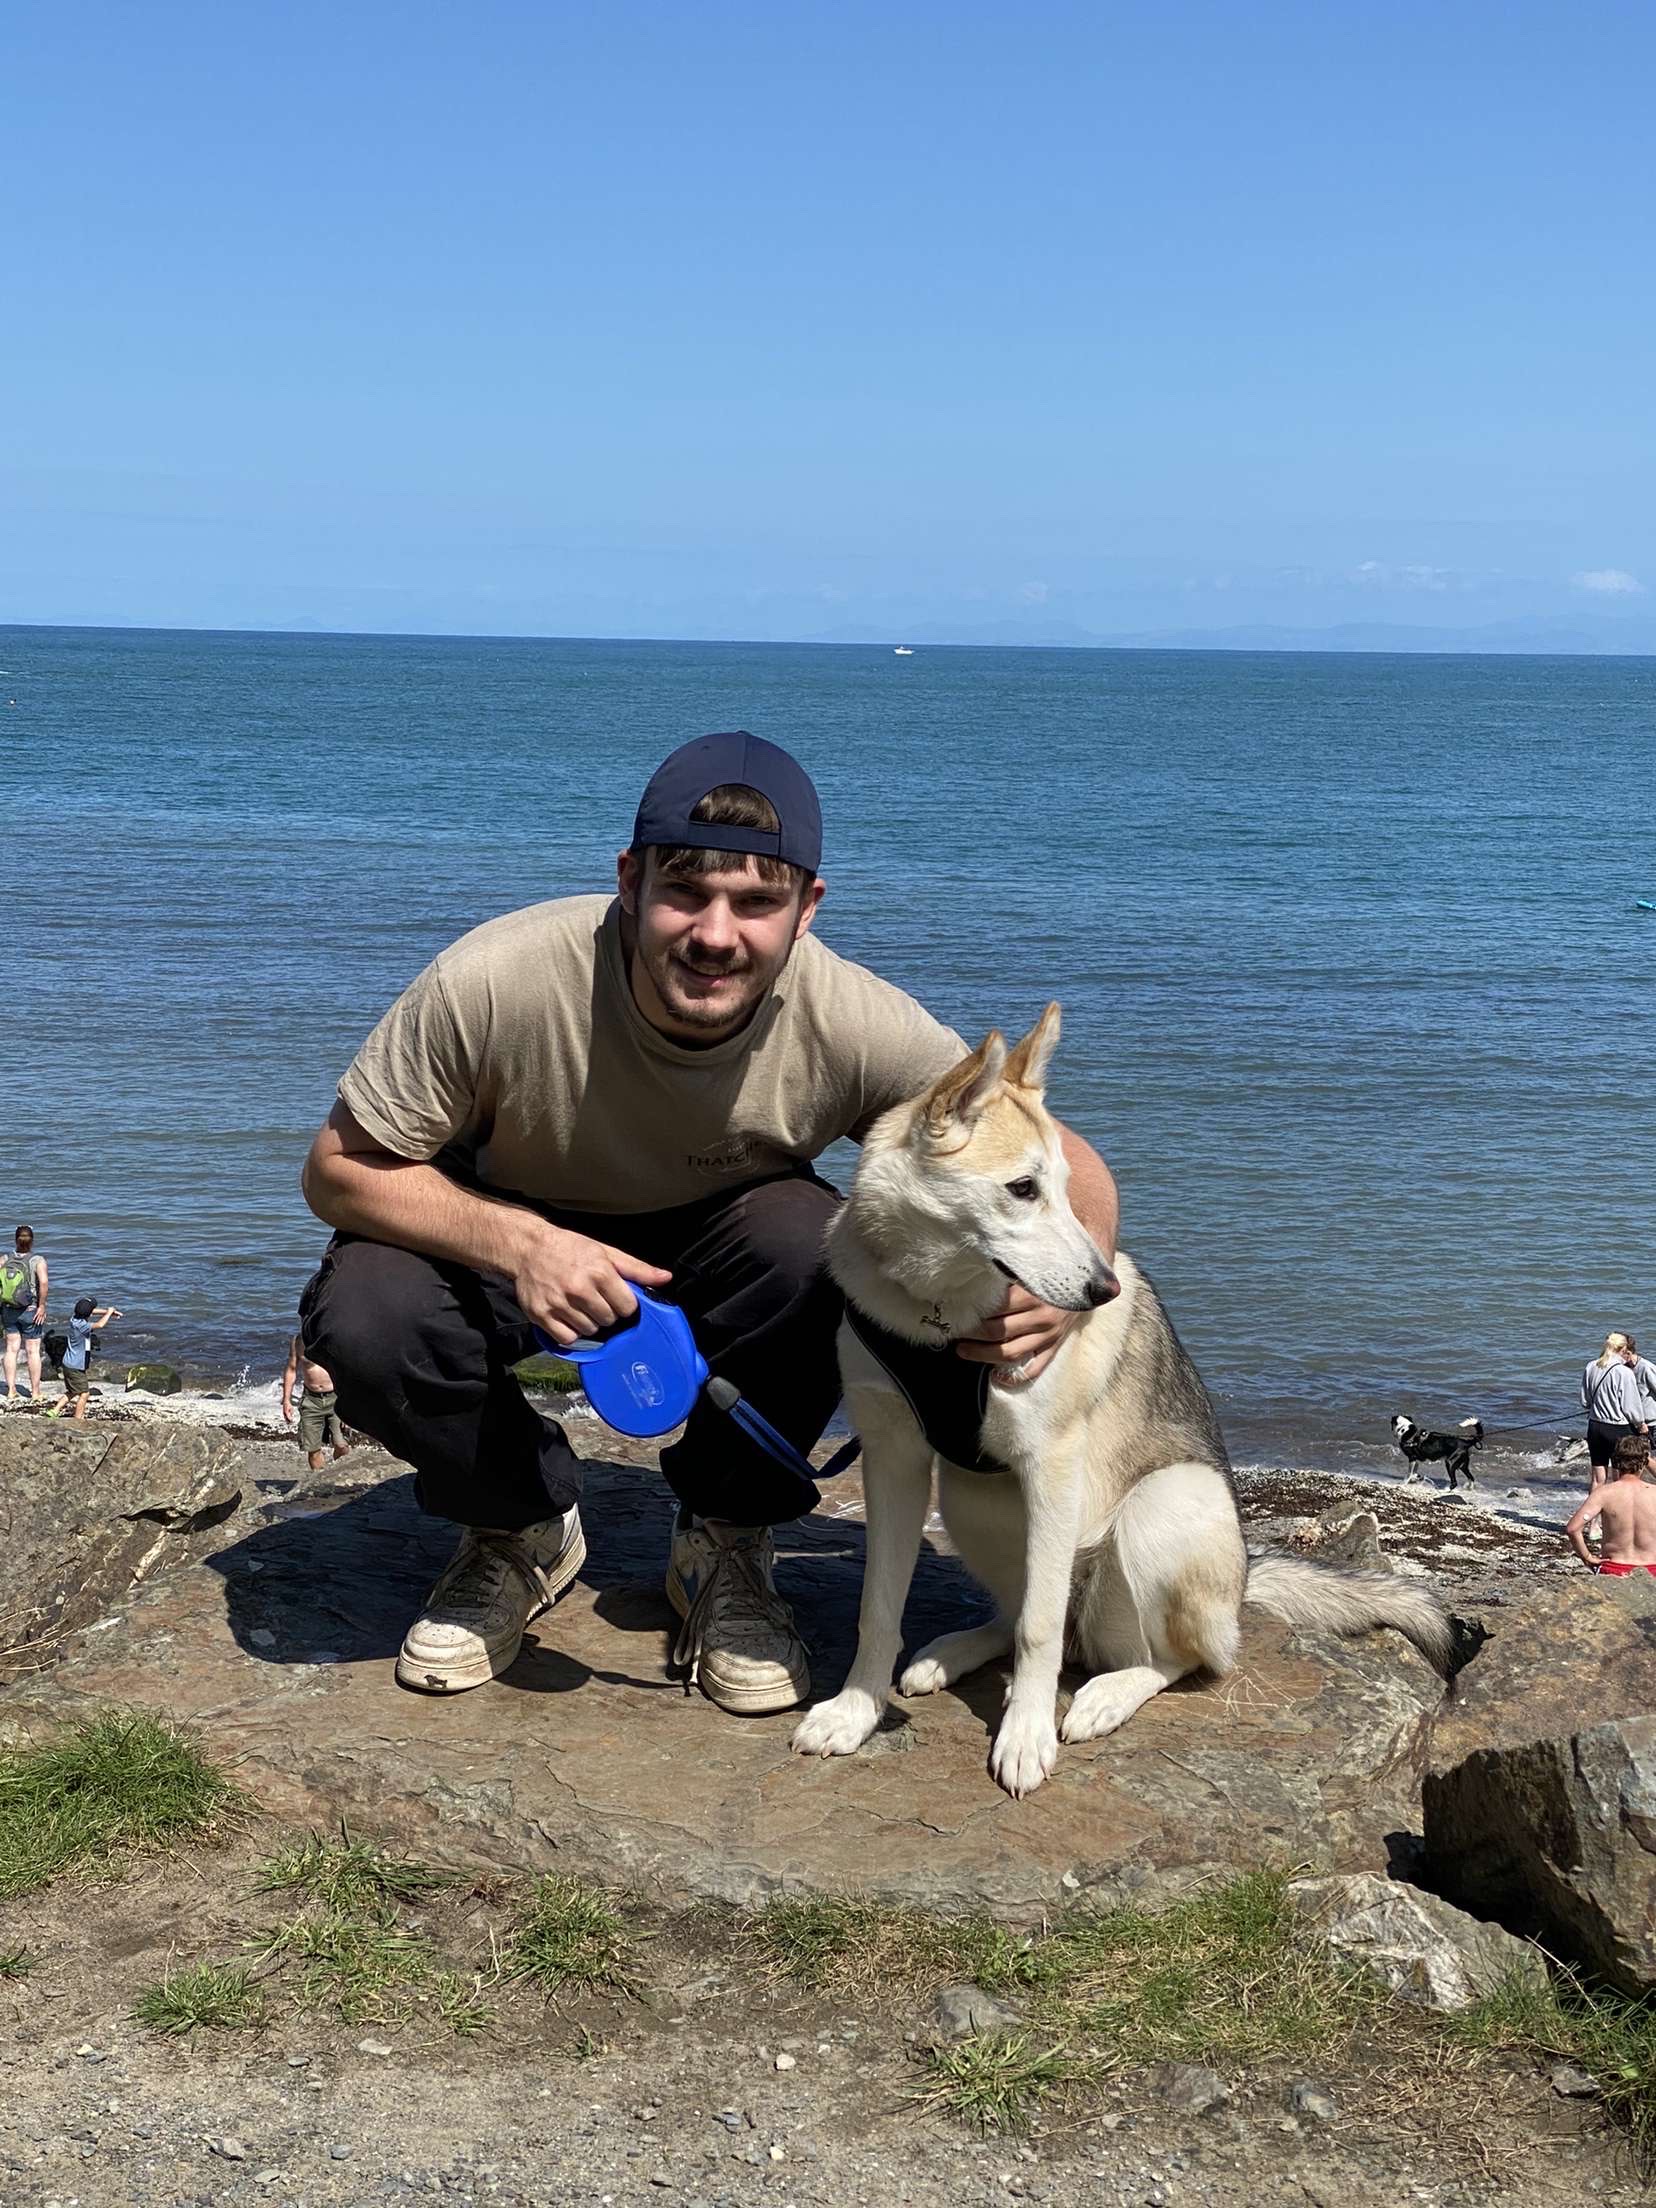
[319, 1410]
[1625, 1506]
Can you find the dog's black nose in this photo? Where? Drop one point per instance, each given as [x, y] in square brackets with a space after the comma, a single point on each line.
[1102, 1288]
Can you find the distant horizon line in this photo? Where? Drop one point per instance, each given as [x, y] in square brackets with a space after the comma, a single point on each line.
[1173, 641]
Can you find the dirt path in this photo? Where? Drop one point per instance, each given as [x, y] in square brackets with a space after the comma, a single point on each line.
[714, 2081]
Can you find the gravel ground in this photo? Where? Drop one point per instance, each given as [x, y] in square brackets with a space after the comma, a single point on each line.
[714, 2084]
[677, 2097]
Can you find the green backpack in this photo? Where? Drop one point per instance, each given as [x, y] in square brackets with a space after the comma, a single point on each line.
[17, 1289]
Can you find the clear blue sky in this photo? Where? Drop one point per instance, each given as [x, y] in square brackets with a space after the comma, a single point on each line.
[787, 319]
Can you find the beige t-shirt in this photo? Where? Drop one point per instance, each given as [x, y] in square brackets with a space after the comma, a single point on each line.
[519, 1061]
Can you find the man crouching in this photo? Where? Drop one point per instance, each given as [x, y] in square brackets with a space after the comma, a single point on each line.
[596, 1095]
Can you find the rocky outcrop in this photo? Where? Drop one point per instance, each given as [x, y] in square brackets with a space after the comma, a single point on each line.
[1539, 1799]
[278, 1648]
[86, 1514]
[1415, 1943]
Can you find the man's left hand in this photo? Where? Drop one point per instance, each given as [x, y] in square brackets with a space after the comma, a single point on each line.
[1021, 1339]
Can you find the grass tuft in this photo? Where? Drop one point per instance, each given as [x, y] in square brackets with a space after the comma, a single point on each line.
[1227, 1975]
[837, 1944]
[366, 1972]
[459, 2002]
[1608, 2034]
[568, 1935]
[218, 1994]
[15, 1962]
[998, 2080]
[114, 1785]
[347, 1876]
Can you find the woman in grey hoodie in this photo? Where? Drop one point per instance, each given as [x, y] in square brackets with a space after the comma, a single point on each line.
[1613, 1401]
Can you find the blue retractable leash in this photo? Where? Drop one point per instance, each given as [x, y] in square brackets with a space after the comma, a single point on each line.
[643, 1378]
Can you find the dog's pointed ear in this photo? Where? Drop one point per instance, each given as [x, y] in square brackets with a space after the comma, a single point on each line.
[958, 1096]
[1027, 1063]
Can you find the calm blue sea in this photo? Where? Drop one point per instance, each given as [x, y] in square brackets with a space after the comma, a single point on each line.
[1356, 997]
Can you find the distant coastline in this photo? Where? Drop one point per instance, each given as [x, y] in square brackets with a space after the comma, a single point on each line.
[1538, 639]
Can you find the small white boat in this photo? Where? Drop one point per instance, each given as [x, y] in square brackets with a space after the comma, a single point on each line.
[903, 651]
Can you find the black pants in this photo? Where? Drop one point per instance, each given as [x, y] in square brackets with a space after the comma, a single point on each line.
[1602, 1437]
[421, 1353]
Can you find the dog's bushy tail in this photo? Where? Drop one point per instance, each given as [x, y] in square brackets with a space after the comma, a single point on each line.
[1300, 1593]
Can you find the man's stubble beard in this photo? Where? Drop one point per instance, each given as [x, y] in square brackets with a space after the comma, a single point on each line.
[712, 1020]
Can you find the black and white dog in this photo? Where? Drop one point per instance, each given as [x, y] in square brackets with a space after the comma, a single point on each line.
[1454, 1450]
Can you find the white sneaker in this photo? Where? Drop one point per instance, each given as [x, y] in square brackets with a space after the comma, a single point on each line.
[472, 1626]
[738, 1641]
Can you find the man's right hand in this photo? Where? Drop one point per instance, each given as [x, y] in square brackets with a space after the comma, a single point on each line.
[570, 1286]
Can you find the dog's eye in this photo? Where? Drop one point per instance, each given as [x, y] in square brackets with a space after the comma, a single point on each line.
[1027, 1189]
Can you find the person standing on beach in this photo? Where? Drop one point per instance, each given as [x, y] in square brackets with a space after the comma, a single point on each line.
[1625, 1506]
[597, 1095]
[1613, 1401]
[319, 1424]
[23, 1286]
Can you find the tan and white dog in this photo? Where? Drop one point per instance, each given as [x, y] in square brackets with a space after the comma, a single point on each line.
[1108, 1528]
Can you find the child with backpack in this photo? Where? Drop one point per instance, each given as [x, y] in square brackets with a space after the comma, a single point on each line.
[77, 1357]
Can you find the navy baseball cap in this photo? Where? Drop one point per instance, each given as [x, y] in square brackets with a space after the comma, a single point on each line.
[681, 781]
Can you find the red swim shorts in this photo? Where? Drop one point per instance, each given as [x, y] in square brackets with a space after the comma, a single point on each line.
[1620, 1571]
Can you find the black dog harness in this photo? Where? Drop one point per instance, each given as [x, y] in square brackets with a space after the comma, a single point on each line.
[948, 1395]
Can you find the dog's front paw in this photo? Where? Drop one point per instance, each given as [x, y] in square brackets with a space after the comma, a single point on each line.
[924, 1676]
[1025, 1750]
[837, 1727]
[1098, 1708]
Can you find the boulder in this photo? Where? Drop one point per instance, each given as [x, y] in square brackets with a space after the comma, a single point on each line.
[1565, 1832]
[1414, 1943]
[155, 1379]
[1351, 1540]
[1539, 1798]
[89, 1513]
[1347, 1539]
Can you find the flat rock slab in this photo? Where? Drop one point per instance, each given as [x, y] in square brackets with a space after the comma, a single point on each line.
[278, 1649]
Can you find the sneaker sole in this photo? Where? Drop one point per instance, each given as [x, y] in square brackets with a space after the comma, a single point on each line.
[741, 1701]
[459, 1678]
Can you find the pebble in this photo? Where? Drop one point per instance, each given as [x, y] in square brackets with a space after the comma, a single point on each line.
[1193, 2087]
[231, 2150]
[372, 2047]
[962, 2011]
[1571, 2084]
[786, 2062]
[1306, 2098]
[339, 2153]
